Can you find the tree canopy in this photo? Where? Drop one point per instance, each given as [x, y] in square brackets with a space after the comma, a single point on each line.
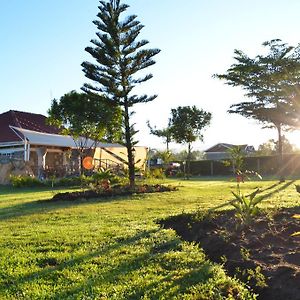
[164, 133]
[81, 115]
[187, 124]
[272, 83]
[119, 57]
[270, 147]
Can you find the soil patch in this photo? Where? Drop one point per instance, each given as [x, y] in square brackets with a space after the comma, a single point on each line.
[264, 255]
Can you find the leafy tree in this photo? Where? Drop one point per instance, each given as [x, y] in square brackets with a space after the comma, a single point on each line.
[194, 155]
[267, 148]
[271, 147]
[119, 57]
[237, 156]
[164, 133]
[165, 156]
[272, 82]
[86, 118]
[187, 124]
[287, 147]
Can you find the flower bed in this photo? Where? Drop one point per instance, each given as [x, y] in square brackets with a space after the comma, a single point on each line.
[119, 190]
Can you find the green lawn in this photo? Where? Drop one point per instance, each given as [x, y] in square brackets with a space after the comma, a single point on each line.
[112, 248]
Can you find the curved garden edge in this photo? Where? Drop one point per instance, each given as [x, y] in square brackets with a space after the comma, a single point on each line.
[265, 255]
[119, 190]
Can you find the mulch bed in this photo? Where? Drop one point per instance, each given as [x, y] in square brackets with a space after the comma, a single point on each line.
[266, 244]
[111, 192]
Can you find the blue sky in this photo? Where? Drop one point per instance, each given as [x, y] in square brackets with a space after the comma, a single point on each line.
[42, 48]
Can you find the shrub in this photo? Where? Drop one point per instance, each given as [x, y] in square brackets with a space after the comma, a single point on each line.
[69, 181]
[180, 174]
[106, 175]
[83, 181]
[25, 181]
[157, 173]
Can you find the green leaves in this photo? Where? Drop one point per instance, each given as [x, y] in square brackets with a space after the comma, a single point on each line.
[118, 50]
[271, 81]
[119, 57]
[187, 123]
[87, 116]
[246, 206]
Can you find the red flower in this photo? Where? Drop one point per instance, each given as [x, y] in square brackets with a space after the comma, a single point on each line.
[239, 178]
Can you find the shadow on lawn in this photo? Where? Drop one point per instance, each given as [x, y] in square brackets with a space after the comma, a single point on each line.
[199, 274]
[271, 192]
[105, 275]
[44, 206]
[274, 191]
[50, 269]
[115, 273]
[9, 190]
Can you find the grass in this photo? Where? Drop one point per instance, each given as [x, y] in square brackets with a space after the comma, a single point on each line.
[112, 248]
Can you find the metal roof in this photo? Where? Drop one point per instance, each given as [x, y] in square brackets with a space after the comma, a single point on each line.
[57, 140]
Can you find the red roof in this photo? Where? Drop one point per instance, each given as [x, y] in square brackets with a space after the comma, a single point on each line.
[24, 120]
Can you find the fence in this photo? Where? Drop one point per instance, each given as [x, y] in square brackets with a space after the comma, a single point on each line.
[264, 165]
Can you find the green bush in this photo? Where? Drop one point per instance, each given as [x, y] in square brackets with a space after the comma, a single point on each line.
[179, 174]
[83, 181]
[157, 173]
[68, 181]
[25, 181]
[106, 175]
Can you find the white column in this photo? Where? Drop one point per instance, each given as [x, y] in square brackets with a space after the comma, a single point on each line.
[41, 156]
[26, 150]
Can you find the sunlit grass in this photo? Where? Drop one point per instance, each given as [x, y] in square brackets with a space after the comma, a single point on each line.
[113, 248]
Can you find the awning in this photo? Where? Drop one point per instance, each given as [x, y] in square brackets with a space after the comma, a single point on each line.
[57, 140]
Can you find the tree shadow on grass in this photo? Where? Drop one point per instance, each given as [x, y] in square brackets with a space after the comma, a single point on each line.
[49, 270]
[9, 190]
[114, 274]
[177, 285]
[44, 206]
[274, 191]
[271, 186]
[124, 270]
[265, 196]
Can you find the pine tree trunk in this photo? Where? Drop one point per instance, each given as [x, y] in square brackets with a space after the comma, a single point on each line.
[280, 155]
[81, 169]
[129, 146]
[188, 161]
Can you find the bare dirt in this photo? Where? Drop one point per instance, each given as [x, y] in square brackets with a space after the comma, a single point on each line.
[265, 255]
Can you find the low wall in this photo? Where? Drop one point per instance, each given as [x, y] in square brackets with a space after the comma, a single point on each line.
[13, 168]
[264, 165]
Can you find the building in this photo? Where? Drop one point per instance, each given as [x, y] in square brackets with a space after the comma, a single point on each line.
[222, 151]
[26, 137]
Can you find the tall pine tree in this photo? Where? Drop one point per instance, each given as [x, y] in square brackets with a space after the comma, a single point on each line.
[119, 57]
